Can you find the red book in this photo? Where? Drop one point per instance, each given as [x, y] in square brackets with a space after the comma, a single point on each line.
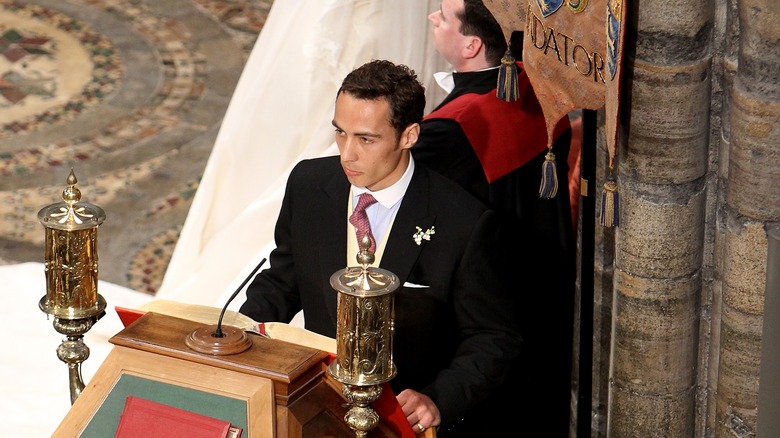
[148, 419]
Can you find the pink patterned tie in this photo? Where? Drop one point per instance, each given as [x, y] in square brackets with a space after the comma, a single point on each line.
[359, 219]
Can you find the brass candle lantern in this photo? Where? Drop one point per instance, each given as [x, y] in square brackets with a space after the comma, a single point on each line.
[71, 267]
[364, 336]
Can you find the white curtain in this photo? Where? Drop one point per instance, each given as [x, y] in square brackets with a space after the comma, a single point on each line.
[34, 392]
[280, 113]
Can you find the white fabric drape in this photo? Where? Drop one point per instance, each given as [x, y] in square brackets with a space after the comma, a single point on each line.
[280, 113]
[34, 392]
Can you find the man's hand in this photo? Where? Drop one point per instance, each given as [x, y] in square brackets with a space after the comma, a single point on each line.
[419, 409]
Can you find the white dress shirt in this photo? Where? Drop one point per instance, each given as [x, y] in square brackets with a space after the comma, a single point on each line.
[382, 213]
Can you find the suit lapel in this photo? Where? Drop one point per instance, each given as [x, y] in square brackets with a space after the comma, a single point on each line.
[401, 252]
[332, 233]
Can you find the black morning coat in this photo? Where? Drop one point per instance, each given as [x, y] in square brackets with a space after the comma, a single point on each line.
[456, 337]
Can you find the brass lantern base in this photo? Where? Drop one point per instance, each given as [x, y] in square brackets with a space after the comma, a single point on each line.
[73, 351]
[361, 417]
[359, 379]
[46, 305]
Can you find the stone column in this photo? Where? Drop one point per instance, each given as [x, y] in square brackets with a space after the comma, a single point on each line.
[752, 206]
[726, 39]
[663, 161]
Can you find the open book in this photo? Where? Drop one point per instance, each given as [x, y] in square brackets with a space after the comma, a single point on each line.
[210, 315]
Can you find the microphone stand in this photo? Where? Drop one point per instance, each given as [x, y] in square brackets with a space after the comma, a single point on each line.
[222, 340]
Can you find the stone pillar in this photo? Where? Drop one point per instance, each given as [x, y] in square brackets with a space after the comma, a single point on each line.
[769, 379]
[752, 206]
[663, 162]
[725, 46]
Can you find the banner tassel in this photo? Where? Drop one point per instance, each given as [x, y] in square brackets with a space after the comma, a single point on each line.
[610, 204]
[549, 186]
[507, 88]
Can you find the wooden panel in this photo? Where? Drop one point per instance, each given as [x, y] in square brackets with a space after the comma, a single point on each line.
[256, 391]
[109, 416]
[321, 413]
[291, 367]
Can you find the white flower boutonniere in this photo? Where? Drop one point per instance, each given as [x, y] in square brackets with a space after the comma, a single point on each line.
[421, 235]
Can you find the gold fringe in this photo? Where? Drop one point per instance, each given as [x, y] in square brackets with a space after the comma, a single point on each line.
[610, 204]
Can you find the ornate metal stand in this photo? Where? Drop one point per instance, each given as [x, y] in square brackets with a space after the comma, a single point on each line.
[364, 337]
[73, 351]
[72, 276]
[360, 417]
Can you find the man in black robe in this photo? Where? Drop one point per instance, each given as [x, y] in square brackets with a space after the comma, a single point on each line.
[496, 150]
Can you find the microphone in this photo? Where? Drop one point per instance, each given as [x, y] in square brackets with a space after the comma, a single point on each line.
[212, 340]
[218, 333]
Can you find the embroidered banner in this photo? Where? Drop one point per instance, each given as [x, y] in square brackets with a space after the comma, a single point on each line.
[616, 31]
[572, 51]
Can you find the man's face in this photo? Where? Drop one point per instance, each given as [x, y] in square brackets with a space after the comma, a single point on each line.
[446, 31]
[371, 155]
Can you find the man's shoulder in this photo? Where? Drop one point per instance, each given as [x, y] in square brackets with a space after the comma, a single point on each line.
[446, 191]
[313, 172]
[319, 162]
[316, 166]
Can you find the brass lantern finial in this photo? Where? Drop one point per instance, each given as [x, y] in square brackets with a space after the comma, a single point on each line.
[71, 194]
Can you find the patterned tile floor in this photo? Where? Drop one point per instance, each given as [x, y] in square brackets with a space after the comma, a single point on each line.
[130, 95]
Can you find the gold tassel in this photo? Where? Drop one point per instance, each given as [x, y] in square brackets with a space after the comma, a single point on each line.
[507, 88]
[549, 186]
[610, 204]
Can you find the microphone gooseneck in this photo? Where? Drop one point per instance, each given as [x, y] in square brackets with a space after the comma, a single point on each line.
[218, 332]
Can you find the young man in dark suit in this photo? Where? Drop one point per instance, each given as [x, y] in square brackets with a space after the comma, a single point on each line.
[495, 150]
[455, 336]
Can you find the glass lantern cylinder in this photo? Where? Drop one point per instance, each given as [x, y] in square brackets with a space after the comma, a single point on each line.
[365, 327]
[71, 261]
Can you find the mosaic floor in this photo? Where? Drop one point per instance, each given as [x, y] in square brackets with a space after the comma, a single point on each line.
[130, 95]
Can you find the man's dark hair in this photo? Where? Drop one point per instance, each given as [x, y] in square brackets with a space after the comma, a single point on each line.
[477, 20]
[397, 83]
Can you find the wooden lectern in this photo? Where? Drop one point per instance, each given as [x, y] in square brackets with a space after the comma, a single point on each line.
[273, 389]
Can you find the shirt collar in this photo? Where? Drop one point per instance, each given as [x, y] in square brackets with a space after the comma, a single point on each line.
[389, 196]
[446, 79]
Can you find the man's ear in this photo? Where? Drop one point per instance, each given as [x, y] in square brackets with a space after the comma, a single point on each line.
[410, 135]
[473, 47]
